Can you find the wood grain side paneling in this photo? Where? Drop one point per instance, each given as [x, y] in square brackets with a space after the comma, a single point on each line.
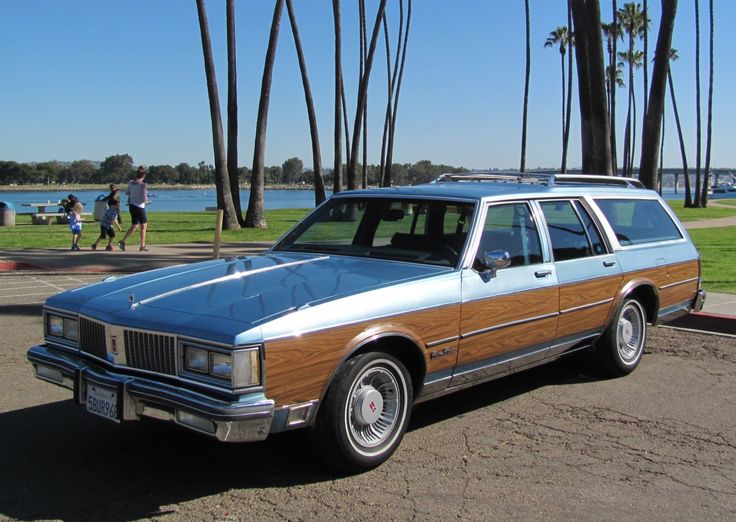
[498, 310]
[298, 368]
[528, 307]
[573, 295]
[505, 340]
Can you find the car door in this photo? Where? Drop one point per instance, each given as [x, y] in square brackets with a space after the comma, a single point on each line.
[587, 272]
[508, 315]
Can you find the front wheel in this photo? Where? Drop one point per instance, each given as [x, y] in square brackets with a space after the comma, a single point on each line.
[365, 413]
[622, 345]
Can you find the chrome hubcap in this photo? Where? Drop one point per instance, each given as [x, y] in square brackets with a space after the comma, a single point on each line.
[630, 333]
[374, 407]
[368, 406]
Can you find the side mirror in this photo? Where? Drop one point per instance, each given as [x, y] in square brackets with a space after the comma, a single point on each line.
[494, 260]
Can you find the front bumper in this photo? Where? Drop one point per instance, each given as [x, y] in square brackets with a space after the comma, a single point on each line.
[248, 419]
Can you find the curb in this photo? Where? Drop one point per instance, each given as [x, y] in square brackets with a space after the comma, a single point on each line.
[706, 322]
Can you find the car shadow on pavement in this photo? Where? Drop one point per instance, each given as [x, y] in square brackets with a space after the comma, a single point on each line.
[570, 370]
[58, 462]
[33, 309]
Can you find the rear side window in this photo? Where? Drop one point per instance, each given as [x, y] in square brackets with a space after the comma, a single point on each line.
[637, 221]
[566, 231]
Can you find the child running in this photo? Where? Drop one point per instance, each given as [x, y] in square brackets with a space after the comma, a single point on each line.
[109, 218]
[75, 224]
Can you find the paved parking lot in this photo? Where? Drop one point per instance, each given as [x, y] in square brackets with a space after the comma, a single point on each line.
[555, 443]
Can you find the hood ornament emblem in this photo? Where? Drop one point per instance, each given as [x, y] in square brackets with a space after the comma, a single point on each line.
[131, 299]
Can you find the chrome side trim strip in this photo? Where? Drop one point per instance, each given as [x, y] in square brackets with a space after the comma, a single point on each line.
[443, 341]
[229, 277]
[583, 307]
[506, 325]
[683, 282]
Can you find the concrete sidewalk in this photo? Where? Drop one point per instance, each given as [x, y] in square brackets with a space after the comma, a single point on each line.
[718, 315]
[132, 260]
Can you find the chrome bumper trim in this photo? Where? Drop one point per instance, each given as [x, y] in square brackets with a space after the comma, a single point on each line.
[240, 421]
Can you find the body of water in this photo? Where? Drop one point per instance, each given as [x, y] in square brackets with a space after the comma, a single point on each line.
[188, 200]
[166, 200]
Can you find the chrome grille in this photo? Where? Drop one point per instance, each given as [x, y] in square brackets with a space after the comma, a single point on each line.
[92, 337]
[150, 351]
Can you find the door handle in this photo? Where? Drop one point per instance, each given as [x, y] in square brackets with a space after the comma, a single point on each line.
[542, 273]
[609, 263]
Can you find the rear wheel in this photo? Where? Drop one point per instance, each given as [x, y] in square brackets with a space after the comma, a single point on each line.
[365, 413]
[622, 345]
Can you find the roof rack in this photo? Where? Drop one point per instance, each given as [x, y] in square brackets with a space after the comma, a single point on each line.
[543, 178]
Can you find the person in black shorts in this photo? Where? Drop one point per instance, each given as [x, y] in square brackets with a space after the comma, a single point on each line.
[137, 201]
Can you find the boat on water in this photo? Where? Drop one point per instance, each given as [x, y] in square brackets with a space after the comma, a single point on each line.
[724, 190]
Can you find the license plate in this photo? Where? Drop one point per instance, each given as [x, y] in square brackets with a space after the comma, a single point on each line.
[102, 401]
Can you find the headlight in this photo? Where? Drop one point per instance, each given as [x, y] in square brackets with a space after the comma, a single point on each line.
[196, 359]
[221, 365]
[239, 368]
[65, 327]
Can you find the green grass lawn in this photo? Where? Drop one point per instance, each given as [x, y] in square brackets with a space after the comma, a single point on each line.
[717, 247]
[163, 228]
[695, 214]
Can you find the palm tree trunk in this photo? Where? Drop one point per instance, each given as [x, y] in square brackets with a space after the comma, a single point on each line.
[614, 64]
[394, 112]
[337, 164]
[527, 74]
[232, 113]
[222, 182]
[698, 132]
[363, 52]
[361, 100]
[568, 112]
[653, 119]
[709, 129]
[387, 117]
[645, 38]
[255, 217]
[319, 181]
[683, 153]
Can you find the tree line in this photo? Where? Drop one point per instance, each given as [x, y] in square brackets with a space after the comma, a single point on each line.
[120, 169]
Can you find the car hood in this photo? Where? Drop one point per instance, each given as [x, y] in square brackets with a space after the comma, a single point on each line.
[221, 298]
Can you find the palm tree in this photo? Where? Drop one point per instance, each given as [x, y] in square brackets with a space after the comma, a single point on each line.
[683, 154]
[566, 136]
[613, 63]
[222, 182]
[255, 217]
[595, 130]
[561, 37]
[397, 92]
[612, 32]
[232, 112]
[653, 119]
[632, 20]
[645, 44]
[319, 182]
[709, 129]
[698, 147]
[527, 74]
[337, 165]
[634, 60]
[361, 100]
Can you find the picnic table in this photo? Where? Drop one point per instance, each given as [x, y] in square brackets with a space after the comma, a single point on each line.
[42, 206]
[42, 217]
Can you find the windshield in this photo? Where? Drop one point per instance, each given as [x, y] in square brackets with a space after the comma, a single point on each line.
[420, 231]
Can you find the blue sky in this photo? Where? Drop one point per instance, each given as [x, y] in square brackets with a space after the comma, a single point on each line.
[85, 79]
